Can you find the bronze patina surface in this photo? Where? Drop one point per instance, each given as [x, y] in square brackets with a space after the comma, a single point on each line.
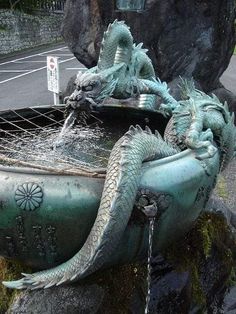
[172, 175]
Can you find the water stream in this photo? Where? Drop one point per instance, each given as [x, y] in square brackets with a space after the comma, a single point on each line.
[68, 124]
[149, 268]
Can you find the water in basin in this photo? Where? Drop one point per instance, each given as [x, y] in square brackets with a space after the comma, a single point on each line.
[40, 137]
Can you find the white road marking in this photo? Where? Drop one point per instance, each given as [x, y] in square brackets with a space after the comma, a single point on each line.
[62, 54]
[37, 54]
[14, 71]
[76, 68]
[39, 61]
[33, 71]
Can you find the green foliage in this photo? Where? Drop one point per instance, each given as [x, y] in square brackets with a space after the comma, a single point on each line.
[25, 5]
[232, 279]
[3, 28]
[206, 233]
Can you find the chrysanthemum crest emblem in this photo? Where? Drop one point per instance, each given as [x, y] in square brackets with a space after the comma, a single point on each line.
[29, 196]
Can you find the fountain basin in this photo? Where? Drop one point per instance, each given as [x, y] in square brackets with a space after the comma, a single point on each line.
[45, 217]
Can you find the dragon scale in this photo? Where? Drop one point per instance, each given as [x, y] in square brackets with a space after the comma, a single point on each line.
[116, 46]
[122, 64]
[198, 122]
[123, 71]
[118, 197]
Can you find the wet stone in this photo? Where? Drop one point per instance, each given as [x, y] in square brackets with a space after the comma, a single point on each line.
[170, 289]
[229, 306]
[171, 294]
[60, 300]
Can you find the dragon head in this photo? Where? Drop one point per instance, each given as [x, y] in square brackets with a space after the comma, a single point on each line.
[92, 88]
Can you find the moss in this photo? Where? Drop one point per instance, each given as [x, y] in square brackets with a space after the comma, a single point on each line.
[8, 271]
[206, 234]
[119, 281]
[232, 278]
[3, 28]
[210, 232]
[221, 187]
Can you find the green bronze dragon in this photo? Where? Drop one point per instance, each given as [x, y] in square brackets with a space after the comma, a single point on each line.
[199, 122]
[203, 124]
[123, 71]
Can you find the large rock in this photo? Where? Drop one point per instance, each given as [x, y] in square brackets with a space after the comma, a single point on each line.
[60, 300]
[229, 306]
[193, 278]
[185, 37]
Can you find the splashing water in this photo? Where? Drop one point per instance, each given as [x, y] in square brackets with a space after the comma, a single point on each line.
[45, 139]
[69, 122]
[149, 268]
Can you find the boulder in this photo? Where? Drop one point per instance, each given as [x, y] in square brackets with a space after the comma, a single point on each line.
[185, 37]
[60, 300]
[192, 277]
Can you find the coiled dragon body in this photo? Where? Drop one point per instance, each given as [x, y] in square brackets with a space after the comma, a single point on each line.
[202, 122]
[120, 188]
[125, 71]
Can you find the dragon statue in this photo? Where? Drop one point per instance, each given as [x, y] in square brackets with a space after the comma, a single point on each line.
[123, 71]
[199, 122]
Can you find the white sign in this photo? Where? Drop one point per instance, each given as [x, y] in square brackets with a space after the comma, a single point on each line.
[53, 74]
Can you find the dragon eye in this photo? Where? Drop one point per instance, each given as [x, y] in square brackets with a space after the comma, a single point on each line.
[76, 86]
[87, 88]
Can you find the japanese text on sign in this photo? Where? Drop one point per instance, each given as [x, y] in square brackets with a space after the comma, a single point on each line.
[53, 74]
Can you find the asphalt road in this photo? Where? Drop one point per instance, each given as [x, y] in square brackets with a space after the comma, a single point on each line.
[23, 77]
[228, 79]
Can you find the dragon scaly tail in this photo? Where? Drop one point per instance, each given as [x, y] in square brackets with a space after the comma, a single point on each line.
[118, 197]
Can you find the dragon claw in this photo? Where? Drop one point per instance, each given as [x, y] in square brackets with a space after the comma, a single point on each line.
[165, 110]
[209, 153]
[17, 284]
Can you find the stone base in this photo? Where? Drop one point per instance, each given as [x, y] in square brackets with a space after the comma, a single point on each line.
[60, 300]
[192, 278]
